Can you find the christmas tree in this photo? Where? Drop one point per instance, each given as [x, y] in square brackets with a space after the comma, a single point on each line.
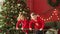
[9, 14]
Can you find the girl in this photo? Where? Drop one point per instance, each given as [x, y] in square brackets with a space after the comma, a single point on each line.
[37, 24]
[22, 20]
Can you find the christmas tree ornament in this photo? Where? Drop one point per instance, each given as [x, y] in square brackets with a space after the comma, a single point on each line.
[1, 25]
[0, 30]
[13, 27]
[11, 11]
[12, 22]
[20, 9]
[16, 11]
[15, 8]
[24, 12]
[5, 5]
[4, 33]
[7, 2]
[11, 6]
[5, 23]
[14, 16]
[11, 19]
[1, 20]
[18, 4]
[13, 2]
[4, 8]
[8, 18]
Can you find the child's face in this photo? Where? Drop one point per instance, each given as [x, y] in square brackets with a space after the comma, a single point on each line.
[34, 16]
[21, 16]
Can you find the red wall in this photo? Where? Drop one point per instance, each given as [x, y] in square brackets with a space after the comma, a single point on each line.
[41, 7]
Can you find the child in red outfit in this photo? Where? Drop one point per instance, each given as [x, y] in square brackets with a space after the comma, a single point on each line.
[22, 20]
[37, 24]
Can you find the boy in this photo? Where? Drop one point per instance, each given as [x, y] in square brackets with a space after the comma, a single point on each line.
[36, 23]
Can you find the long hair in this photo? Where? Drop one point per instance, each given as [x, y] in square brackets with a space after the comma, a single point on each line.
[21, 14]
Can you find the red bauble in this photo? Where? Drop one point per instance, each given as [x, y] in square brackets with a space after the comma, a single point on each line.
[18, 1]
[6, 16]
[7, 23]
[0, 30]
[6, 32]
[14, 16]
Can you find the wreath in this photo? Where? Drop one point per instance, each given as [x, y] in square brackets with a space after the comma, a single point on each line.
[53, 4]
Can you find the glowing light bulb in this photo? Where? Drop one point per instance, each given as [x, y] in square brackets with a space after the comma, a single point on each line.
[40, 17]
[44, 19]
[58, 18]
[47, 19]
[53, 14]
[54, 11]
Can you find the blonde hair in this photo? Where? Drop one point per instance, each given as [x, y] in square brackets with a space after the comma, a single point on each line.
[19, 16]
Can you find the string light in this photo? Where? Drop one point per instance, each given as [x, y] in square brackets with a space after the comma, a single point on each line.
[51, 16]
[55, 13]
[52, 13]
[58, 18]
[44, 19]
[40, 17]
[47, 19]
[54, 9]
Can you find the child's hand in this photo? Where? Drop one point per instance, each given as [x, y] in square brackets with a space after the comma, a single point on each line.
[41, 29]
[17, 28]
[22, 28]
[30, 29]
